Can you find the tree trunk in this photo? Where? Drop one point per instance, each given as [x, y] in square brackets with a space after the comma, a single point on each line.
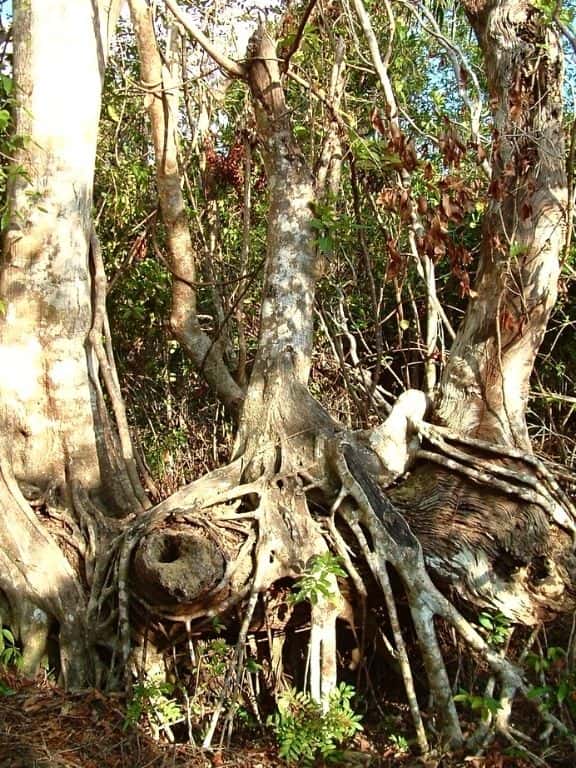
[486, 382]
[497, 549]
[162, 103]
[57, 437]
[273, 404]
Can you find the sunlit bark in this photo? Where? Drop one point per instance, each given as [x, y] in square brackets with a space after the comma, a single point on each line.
[485, 385]
[162, 104]
[55, 435]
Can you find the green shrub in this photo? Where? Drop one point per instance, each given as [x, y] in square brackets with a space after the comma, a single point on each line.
[305, 729]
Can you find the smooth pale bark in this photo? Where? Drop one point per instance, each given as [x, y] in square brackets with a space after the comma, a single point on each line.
[53, 430]
[46, 289]
[46, 286]
[277, 401]
[287, 319]
[485, 386]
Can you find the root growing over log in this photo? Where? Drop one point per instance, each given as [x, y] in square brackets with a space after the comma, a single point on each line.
[276, 509]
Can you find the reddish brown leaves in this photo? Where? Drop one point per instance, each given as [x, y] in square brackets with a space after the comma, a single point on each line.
[223, 170]
[396, 262]
[377, 122]
[451, 146]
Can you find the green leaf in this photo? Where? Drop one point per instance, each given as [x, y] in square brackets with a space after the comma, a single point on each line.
[4, 219]
[7, 84]
[113, 113]
[564, 689]
[538, 692]
[253, 666]
[555, 653]
[4, 118]
[5, 690]
[485, 621]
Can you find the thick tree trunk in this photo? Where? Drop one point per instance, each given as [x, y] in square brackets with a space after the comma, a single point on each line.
[274, 534]
[273, 406]
[46, 284]
[486, 381]
[57, 437]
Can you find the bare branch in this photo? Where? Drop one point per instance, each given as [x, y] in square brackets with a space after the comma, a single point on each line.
[460, 67]
[299, 33]
[229, 66]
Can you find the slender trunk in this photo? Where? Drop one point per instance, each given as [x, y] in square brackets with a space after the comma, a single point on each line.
[287, 319]
[162, 104]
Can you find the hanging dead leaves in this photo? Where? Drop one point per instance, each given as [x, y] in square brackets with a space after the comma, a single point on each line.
[451, 146]
[441, 211]
[224, 168]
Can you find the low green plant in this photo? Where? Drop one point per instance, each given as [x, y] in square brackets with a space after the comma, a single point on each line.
[10, 653]
[306, 729]
[485, 705]
[5, 690]
[216, 656]
[496, 627]
[153, 700]
[399, 742]
[558, 687]
[315, 580]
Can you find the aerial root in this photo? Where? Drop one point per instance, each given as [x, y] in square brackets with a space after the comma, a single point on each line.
[393, 543]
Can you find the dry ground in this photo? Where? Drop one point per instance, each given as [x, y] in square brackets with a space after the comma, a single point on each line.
[41, 726]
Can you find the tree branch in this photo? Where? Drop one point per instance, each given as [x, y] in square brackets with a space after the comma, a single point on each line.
[299, 33]
[229, 66]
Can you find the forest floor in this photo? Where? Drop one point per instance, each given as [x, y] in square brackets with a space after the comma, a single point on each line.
[42, 726]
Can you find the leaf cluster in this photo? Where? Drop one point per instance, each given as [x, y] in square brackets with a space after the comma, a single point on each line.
[558, 680]
[314, 582]
[10, 143]
[153, 700]
[10, 653]
[496, 627]
[486, 705]
[305, 729]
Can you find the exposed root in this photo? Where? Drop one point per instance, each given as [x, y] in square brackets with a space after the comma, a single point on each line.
[266, 529]
[36, 597]
[394, 543]
[537, 486]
